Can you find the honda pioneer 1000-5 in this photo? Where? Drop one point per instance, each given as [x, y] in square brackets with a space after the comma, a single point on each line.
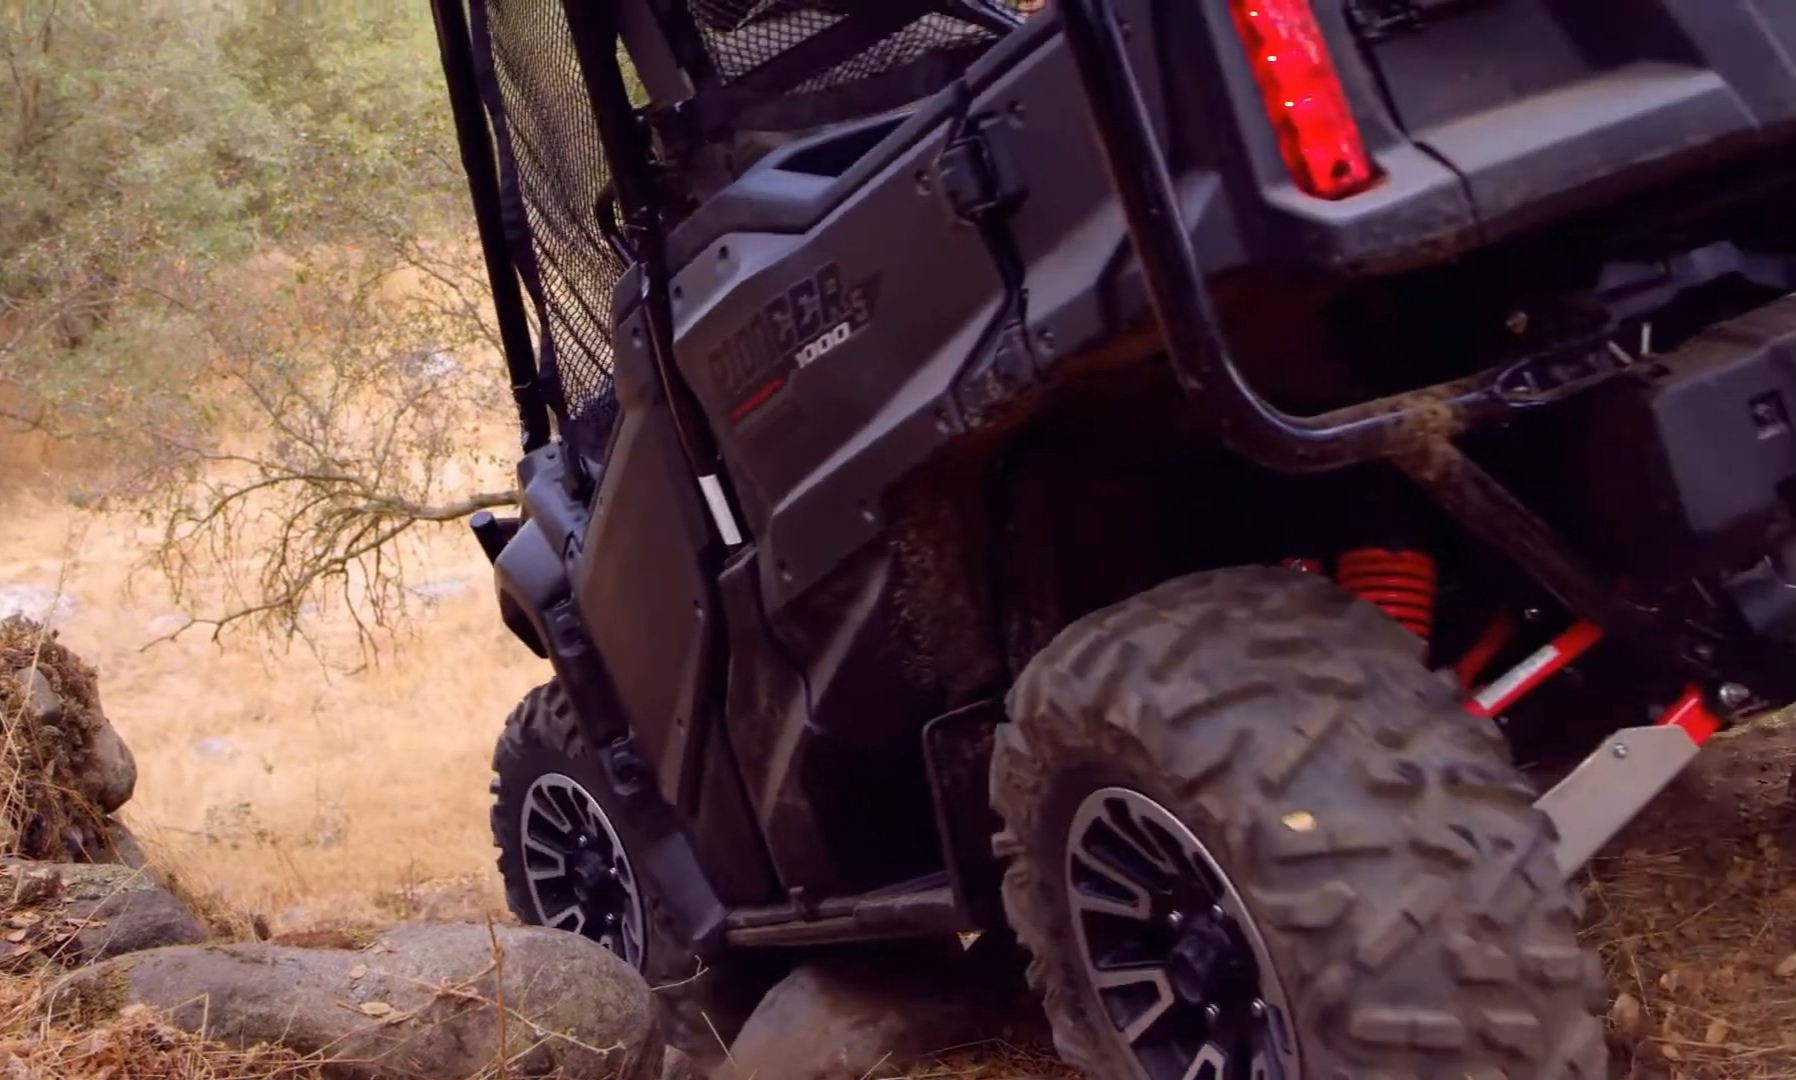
[1145, 475]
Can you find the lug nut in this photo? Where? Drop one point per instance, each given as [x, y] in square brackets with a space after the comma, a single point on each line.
[1258, 1008]
[1212, 1013]
[1733, 695]
[1175, 919]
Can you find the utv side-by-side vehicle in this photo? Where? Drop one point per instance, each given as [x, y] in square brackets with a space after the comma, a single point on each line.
[1152, 477]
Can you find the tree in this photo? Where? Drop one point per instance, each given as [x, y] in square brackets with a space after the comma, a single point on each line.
[241, 259]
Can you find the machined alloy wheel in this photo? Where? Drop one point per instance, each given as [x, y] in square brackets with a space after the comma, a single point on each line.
[1169, 947]
[579, 877]
[565, 848]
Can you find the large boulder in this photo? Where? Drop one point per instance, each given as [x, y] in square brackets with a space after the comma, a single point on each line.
[103, 770]
[881, 1012]
[678, 1066]
[81, 913]
[443, 1001]
[65, 765]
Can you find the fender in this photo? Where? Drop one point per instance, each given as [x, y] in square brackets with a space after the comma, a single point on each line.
[532, 555]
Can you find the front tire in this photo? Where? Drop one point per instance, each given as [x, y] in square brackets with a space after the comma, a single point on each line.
[1244, 779]
[566, 857]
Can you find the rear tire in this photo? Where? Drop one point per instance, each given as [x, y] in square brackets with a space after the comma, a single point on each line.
[542, 750]
[1384, 859]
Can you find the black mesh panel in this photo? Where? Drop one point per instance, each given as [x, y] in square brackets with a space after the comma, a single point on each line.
[912, 43]
[560, 173]
[740, 35]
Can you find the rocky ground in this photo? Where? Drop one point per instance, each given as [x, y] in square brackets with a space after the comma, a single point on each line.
[109, 968]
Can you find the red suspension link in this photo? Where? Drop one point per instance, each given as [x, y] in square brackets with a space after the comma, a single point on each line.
[1541, 665]
[1691, 713]
[1485, 649]
[1402, 583]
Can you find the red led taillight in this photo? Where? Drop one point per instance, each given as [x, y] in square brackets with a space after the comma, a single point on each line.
[1316, 132]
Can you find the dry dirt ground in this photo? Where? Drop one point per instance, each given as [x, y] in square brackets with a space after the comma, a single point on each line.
[1694, 907]
[309, 793]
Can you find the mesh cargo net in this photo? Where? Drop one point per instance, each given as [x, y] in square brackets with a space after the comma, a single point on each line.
[560, 171]
[740, 35]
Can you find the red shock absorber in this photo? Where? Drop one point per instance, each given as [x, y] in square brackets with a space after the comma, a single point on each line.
[1402, 583]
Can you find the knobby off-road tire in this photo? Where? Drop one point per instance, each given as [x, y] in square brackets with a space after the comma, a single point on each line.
[1383, 846]
[700, 1008]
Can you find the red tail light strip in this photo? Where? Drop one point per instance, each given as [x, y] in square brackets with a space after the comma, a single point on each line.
[1317, 135]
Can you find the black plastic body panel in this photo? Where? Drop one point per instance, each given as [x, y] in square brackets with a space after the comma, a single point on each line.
[1710, 434]
[692, 814]
[643, 590]
[529, 576]
[1542, 105]
[646, 589]
[826, 729]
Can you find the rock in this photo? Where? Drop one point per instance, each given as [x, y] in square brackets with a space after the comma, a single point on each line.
[677, 1066]
[38, 603]
[882, 1009]
[41, 696]
[120, 846]
[215, 747]
[85, 913]
[1625, 1014]
[65, 701]
[109, 774]
[423, 1000]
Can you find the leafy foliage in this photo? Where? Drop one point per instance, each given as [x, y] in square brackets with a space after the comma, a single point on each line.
[204, 208]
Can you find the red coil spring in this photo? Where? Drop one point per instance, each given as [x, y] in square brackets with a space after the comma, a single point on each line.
[1401, 583]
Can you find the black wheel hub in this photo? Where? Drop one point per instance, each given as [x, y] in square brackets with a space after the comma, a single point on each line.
[1168, 948]
[593, 876]
[578, 874]
[1211, 962]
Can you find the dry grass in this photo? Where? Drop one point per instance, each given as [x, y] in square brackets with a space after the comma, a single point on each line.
[995, 1062]
[36, 814]
[1694, 908]
[136, 1044]
[309, 794]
